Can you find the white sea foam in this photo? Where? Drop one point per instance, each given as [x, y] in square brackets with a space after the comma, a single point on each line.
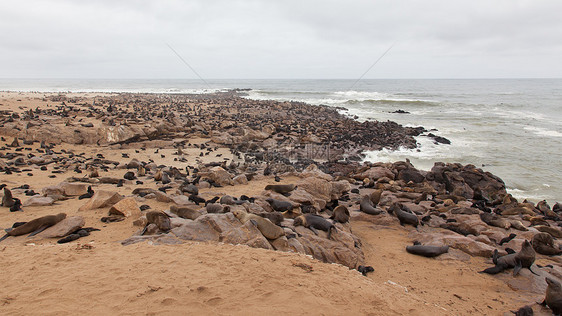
[543, 131]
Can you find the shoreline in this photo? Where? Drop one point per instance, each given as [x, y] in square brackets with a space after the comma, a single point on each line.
[219, 145]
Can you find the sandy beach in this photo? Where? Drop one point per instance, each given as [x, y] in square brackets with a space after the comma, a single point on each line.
[223, 145]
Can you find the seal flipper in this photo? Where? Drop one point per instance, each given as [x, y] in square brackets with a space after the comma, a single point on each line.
[495, 256]
[144, 230]
[40, 229]
[313, 230]
[517, 268]
[5, 236]
[330, 231]
[533, 272]
[253, 221]
[493, 270]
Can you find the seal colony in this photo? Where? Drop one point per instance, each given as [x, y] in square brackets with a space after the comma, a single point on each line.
[221, 168]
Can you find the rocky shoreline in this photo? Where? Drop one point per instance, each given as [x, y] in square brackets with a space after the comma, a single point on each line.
[177, 168]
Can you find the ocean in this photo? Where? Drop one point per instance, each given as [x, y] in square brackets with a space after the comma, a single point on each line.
[510, 127]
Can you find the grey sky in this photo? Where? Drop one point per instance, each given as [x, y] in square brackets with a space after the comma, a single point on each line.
[280, 39]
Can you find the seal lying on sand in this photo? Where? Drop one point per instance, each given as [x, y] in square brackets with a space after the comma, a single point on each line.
[522, 259]
[367, 206]
[427, 250]
[35, 226]
[314, 222]
[284, 189]
[265, 226]
[280, 206]
[553, 296]
[403, 216]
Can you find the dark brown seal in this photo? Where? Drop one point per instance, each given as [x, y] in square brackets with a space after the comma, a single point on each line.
[522, 259]
[366, 206]
[35, 226]
[160, 219]
[7, 199]
[427, 250]
[543, 243]
[314, 222]
[553, 296]
[281, 188]
[217, 208]
[403, 216]
[340, 214]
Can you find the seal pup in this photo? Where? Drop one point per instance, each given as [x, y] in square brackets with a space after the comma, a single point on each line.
[314, 222]
[493, 220]
[522, 259]
[553, 296]
[184, 212]
[35, 226]
[16, 207]
[7, 199]
[543, 243]
[366, 206]
[524, 311]
[376, 197]
[507, 239]
[88, 194]
[427, 250]
[340, 214]
[403, 216]
[284, 189]
[264, 225]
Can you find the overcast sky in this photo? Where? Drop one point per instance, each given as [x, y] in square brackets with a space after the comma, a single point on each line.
[281, 39]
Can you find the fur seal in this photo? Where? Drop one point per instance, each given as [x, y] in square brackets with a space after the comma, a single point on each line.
[265, 226]
[554, 232]
[284, 189]
[366, 206]
[16, 207]
[543, 243]
[229, 200]
[275, 217]
[217, 208]
[493, 220]
[184, 212]
[522, 259]
[280, 206]
[7, 199]
[160, 219]
[340, 214]
[507, 239]
[88, 194]
[427, 250]
[553, 296]
[314, 222]
[524, 311]
[35, 226]
[376, 197]
[403, 216]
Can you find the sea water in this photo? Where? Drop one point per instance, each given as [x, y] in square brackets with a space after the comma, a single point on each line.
[510, 127]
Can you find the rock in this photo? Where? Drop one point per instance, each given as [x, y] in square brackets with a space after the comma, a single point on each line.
[319, 188]
[313, 171]
[181, 200]
[101, 199]
[63, 228]
[410, 174]
[39, 201]
[126, 207]
[247, 234]
[73, 188]
[375, 173]
[240, 179]
[219, 176]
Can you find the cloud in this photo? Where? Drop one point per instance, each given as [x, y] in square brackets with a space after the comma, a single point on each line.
[281, 39]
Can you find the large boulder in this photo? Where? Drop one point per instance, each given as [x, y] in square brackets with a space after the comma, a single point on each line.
[126, 207]
[219, 176]
[101, 199]
[74, 188]
[38, 200]
[375, 173]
